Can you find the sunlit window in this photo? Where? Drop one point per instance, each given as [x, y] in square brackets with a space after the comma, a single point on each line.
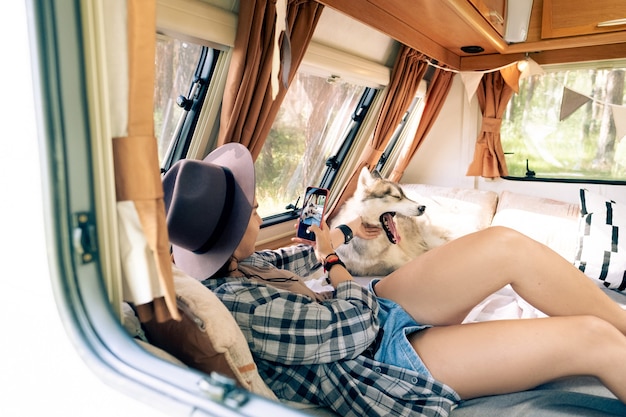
[176, 63]
[568, 124]
[310, 126]
[403, 135]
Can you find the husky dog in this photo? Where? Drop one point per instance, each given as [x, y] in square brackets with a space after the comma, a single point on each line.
[310, 211]
[407, 235]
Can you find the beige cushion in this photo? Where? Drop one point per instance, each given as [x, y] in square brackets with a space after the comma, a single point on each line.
[159, 353]
[460, 210]
[208, 337]
[551, 222]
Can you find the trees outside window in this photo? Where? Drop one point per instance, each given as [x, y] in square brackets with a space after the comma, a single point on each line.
[310, 126]
[568, 124]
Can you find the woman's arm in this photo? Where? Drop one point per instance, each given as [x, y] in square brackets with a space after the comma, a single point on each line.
[342, 234]
[291, 328]
[299, 259]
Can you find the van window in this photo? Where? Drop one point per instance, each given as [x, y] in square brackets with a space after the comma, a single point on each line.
[404, 134]
[310, 126]
[562, 124]
[182, 76]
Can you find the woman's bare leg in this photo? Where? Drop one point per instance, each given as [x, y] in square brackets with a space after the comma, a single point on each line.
[442, 286]
[499, 357]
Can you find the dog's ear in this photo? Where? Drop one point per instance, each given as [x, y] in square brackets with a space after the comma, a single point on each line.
[365, 178]
[376, 175]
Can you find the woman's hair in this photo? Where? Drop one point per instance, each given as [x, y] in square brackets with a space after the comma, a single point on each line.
[224, 270]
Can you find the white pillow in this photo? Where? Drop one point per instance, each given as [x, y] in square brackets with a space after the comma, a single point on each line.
[601, 253]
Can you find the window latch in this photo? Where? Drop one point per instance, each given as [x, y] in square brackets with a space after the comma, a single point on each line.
[223, 389]
[293, 207]
[529, 173]
[332, 162]
[84, 237]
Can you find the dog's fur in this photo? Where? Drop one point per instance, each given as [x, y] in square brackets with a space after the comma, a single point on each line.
[378, 201]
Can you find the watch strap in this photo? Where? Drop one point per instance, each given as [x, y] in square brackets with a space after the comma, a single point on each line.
[347, 233]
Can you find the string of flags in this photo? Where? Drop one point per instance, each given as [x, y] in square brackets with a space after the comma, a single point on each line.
[513, 73]
[573, 100]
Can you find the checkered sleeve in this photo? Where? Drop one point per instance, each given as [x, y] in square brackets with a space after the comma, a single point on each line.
[299, 259]
[291, 328]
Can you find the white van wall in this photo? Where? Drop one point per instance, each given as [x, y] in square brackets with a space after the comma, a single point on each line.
[448, 150]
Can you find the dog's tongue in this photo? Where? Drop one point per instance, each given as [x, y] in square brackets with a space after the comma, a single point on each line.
[390, 227]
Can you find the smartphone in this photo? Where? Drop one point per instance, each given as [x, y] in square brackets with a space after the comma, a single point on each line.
[313, 211]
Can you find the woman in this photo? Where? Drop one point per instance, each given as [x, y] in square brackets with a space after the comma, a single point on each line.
[397, 347]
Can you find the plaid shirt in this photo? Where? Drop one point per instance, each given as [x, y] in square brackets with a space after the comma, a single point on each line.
[314, 351]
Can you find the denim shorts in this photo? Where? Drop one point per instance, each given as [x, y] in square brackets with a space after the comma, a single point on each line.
[397, 324]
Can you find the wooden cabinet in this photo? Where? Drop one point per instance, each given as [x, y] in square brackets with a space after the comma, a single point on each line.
[562, 18]
[494, 11]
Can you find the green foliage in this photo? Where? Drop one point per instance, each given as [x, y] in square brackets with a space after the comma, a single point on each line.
[583, 145]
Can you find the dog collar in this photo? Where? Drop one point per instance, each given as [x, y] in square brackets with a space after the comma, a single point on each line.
[347, 233]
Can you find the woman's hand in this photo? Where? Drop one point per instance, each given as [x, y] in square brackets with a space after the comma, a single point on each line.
[323, 244]
[364, 231]
[298, 239]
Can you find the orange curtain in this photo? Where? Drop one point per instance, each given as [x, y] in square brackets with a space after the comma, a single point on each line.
[409, 69]
[137, 173]
[248, 109]
[438, 89]
[494, 92]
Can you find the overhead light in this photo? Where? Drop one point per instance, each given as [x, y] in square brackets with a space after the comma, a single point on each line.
[517, 19]
[472, 49]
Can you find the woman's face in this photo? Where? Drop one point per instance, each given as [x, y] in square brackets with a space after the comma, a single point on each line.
[248, 242]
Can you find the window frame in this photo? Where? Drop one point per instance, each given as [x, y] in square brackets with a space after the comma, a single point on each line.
[335, 162]
[195, 98]
[326, 61]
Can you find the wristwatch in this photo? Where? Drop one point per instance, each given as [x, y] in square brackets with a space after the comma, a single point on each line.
[347, 233]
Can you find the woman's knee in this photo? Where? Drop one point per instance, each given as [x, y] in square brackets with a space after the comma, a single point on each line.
[595, 332]
[506, 234]
[507, 240]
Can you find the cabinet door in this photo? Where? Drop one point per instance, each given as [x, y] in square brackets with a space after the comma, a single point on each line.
[581, 17]
[494, 11]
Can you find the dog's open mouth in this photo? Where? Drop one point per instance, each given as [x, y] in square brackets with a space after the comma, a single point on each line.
[389, 226]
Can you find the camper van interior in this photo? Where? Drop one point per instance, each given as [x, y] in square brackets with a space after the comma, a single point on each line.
[484, 112]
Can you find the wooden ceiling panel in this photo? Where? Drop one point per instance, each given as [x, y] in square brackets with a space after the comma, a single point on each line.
[438, 22]
[439, 28]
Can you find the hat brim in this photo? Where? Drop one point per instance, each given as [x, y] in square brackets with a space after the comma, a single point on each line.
[238, 160]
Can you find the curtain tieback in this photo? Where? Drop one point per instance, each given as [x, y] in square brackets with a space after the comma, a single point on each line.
[491, 124]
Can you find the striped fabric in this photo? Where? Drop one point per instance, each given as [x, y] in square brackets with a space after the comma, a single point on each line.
[601, 253]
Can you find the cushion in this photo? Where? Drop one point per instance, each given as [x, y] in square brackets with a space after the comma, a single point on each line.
[551, 222]
[133, 327]
[208, 337]
[460, 210]
[601, 253]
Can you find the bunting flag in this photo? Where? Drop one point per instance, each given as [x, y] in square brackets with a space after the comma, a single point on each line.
[471, 80]
[511, 73]
[529, 67]
[619, 117]
[570, 102]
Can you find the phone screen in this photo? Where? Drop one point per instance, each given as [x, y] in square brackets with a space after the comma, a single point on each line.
[312, 211]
